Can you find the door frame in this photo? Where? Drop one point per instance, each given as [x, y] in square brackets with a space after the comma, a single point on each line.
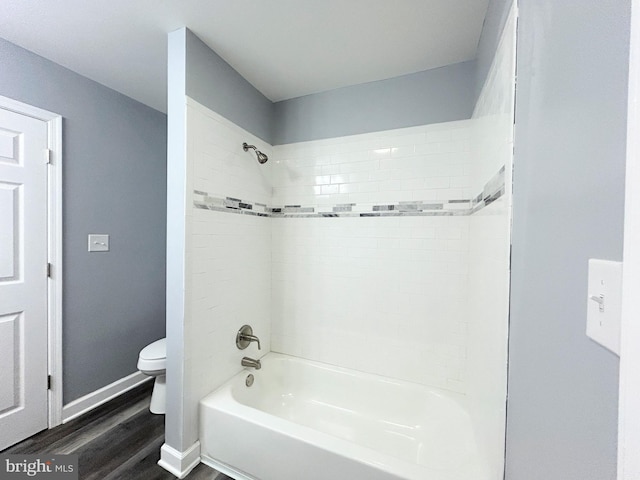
[54, 246]
[629, 388]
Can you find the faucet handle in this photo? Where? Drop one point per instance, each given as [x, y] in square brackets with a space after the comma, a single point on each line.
[252, 338]
[245, 336]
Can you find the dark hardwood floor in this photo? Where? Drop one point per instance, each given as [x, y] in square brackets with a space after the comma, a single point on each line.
[119, 440]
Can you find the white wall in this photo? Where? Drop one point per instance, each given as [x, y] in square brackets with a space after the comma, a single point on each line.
[490, 233]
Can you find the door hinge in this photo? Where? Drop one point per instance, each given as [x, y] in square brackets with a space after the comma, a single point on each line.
[47, 156]
[48, 382]
[49, 267]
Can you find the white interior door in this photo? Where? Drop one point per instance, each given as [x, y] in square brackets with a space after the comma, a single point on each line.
[23, 277]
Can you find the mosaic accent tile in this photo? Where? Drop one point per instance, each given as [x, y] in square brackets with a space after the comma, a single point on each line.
[297, 209]
[418, 206]
[343, 208]
[492, 190]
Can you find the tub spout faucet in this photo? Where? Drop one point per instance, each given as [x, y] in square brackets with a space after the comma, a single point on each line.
[245, 336]
[250, 362]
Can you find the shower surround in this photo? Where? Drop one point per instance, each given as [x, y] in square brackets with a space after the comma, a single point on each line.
[367, 246]
[356, 252]
[386, 253]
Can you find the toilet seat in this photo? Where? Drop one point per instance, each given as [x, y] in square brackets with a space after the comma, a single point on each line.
[153, 357]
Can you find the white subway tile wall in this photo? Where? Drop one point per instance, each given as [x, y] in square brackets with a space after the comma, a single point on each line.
[429, 163]
[383, 295]
[229, 256]
[221, 167]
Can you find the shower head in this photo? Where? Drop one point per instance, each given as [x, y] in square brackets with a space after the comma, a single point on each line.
[262, 158]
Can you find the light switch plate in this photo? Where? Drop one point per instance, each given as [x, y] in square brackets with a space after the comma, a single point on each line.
[98, 242]
[604, 303]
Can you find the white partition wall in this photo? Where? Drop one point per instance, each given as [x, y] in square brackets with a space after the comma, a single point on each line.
[489, 254]
[181, 451]
[628, 416]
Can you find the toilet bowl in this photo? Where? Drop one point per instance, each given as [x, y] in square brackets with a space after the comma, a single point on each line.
[153, 362]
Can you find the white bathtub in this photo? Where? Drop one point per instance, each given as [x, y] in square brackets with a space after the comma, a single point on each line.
[304, 420]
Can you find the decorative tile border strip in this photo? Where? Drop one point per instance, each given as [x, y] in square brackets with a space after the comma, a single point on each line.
[492, 190]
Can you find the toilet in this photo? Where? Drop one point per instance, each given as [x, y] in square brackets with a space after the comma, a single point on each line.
[153, 362]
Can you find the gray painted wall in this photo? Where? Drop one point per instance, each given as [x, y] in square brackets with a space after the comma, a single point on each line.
[568, 198]
[215, 84]
[438, 95]
[114, 182]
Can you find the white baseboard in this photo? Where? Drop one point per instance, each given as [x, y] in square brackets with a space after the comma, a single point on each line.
[179, 463]
[94, 399]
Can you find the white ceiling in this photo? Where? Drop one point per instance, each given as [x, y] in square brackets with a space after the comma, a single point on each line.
[285, 48]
